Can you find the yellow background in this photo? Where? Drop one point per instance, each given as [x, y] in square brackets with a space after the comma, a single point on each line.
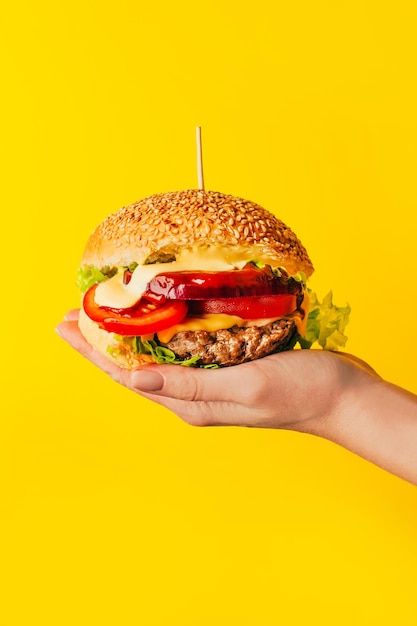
[112, 511]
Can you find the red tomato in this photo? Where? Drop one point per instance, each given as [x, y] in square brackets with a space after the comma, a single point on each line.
[249, 307]
[193, 285]
[142, 319]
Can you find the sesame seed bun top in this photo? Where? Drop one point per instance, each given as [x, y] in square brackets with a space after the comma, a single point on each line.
[168, 222]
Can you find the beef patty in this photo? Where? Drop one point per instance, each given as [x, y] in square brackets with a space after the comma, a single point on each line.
[234, 345]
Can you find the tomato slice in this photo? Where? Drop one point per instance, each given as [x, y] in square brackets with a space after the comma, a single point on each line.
[250, 307]
[193, 285]
[142, 319]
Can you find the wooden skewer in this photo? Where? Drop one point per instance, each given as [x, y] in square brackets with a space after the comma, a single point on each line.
[199, 159]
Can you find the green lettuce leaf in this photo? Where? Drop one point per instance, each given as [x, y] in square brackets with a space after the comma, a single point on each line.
[159, 353]
[326, 323]
[165, 355]
[89, 275]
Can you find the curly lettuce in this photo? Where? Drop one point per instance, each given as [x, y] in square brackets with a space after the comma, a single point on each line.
[326, 323]
[159, 353]
[165, 355]
[89, 275]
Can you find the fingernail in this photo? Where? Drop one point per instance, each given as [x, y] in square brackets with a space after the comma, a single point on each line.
[58, 332]
[147, 380]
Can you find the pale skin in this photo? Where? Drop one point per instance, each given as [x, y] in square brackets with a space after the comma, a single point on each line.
[332, 395]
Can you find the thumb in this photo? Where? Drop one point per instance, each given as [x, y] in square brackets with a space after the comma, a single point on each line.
[232, 384]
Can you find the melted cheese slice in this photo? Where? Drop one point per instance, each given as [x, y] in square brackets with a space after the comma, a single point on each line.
[207, 321]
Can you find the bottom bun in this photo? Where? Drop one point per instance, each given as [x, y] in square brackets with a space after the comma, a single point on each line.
[104, 342]
[222, 348]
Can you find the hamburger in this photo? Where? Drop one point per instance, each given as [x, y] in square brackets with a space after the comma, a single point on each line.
[194, 277]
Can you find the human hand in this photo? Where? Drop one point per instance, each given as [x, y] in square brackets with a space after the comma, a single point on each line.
[330, 394]
[297, 390]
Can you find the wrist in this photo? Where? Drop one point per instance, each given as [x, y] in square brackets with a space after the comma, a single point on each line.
[347, 380]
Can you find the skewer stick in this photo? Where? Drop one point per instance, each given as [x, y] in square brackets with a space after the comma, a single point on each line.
[199, 159]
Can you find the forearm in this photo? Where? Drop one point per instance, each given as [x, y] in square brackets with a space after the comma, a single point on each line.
[378, 421]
